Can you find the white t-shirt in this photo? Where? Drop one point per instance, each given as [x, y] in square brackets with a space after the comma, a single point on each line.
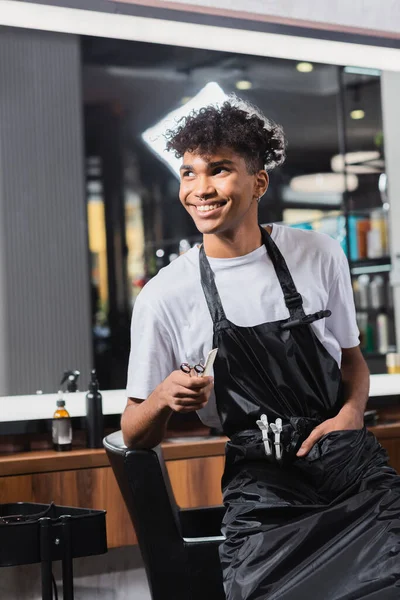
[171, 322]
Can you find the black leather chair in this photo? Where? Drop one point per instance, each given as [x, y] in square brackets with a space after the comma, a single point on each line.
[179, 546]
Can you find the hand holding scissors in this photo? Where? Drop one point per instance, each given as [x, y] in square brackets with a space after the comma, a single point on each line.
[184, 391]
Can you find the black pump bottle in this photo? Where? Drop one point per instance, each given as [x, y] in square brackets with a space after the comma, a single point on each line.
[94, 414]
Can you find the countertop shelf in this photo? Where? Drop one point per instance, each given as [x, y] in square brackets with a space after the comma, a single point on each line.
[47, 461]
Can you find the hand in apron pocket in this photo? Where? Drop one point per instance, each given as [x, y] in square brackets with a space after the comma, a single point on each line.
[339, 460]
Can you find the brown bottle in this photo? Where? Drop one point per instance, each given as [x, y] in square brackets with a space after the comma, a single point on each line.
[61, 427]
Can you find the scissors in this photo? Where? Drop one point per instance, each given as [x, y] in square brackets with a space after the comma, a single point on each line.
[201, 369]
[186, 368]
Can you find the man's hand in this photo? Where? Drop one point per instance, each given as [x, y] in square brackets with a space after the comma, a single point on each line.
[348, 418]
[184, 393]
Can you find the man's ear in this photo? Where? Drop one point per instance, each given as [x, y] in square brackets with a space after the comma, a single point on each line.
[261, 184]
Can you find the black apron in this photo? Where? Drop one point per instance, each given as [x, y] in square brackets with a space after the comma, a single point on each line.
[326, 526]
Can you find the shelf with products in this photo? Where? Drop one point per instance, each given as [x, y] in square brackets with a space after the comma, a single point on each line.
[370, 265]
[367, 243]
[367, 220]
[373, 300]
[361, 219]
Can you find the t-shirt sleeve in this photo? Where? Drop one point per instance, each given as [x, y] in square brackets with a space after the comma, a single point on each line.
[342, 323]
[152, 356]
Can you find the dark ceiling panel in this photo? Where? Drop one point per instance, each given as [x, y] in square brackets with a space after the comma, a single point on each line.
[149, 80]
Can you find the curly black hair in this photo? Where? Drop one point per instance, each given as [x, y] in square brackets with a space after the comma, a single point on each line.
[235, 124]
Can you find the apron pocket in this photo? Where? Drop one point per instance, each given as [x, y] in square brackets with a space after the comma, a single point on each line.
[339, 461]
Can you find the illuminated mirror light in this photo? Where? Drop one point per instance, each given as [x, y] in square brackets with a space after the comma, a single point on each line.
[244, 85]
[324, 183]
[212, 93]
[361, 162]
[304, 67]
[362, 71]
[357, 114]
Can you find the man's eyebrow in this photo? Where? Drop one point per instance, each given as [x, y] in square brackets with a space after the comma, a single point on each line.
[219, 163]
[211, 165]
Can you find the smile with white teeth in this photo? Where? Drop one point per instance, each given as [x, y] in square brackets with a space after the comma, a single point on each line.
[209, 207]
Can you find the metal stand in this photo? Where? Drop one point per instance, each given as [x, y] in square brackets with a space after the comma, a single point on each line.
[46, 543]
[67, 568]
[41, 533]
[45, 552]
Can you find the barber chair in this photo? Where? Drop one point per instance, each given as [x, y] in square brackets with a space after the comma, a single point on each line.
[179, 547]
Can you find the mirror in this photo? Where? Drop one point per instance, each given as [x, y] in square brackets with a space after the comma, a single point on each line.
[135, 225]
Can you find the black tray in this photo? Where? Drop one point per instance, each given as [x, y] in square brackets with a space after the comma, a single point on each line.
[23, 529]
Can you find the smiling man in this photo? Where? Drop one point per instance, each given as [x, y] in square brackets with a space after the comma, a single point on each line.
[306, 488]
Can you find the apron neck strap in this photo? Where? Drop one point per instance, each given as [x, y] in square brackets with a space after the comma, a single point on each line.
[293, 299]
[210, 289]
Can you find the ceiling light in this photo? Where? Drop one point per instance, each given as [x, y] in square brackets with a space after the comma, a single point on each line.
[243, 84]
[362, 162]
[306, 198]
[304, 67]
[318, 183]
[212, 93]
[357, 114]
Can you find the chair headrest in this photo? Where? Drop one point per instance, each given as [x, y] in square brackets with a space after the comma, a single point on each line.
[114, 442]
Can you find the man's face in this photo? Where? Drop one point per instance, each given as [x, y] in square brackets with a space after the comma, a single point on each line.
[217, 190]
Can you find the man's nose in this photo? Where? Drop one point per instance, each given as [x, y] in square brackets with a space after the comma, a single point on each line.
[204, 189]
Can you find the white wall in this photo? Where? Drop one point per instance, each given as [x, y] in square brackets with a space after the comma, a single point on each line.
[116, 25]
[371, 14]
[45, 324]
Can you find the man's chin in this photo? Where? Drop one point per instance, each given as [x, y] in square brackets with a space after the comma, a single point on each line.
[208, 228]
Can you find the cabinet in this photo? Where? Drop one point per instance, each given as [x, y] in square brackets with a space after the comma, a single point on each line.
[83, 478]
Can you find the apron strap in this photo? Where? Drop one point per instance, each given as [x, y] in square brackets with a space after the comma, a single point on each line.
[293, 299]
[210, 289]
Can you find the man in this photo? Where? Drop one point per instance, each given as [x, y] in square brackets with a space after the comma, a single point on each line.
[290, 384]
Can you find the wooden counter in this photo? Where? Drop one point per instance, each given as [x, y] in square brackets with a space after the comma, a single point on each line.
[46, 461]
[84, 478]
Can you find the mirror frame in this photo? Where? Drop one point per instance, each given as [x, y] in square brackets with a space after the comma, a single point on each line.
[232, 36]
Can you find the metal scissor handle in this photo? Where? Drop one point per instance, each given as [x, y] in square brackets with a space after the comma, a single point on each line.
[186, 368]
